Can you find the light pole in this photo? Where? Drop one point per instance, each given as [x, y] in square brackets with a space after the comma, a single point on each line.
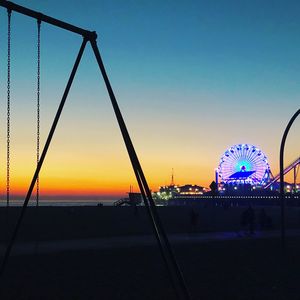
[282, 197]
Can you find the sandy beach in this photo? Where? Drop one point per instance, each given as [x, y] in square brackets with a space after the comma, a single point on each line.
[110, 253]
[237, 269]
[56, 223]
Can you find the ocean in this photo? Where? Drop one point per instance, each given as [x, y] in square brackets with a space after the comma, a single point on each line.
[60, 202]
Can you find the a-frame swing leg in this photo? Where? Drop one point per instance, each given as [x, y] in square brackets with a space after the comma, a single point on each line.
[39, 166]
[165, 248]
[175, 273]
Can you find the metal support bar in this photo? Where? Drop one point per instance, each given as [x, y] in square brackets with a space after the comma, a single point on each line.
[282, 197]
[155, 229]
[295, 179]
[39, 16]
[166, 250]
[39, 166]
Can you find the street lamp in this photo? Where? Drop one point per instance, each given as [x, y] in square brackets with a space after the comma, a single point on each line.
[282, 197]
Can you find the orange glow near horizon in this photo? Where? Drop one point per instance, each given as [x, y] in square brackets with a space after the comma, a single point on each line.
[109, 180]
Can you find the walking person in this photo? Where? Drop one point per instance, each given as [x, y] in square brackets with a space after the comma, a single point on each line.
[194, 217]
[251, 219]
[262, 219]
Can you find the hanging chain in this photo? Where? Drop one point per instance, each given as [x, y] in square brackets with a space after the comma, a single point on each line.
[38, 108]
[8, 111]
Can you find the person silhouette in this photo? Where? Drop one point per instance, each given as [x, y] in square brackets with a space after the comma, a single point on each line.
[262, 219]
[251, 218]
[247, 220]
[194, 217]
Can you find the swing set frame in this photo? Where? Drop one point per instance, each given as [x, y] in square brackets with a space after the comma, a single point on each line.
[175, 274]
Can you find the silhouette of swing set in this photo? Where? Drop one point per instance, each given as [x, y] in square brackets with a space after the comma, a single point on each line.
[175, 274]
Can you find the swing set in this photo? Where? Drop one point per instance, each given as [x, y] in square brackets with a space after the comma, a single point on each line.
[175, 274]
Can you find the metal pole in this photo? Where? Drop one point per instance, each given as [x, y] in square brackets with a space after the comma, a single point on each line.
[47, 144]
[44, 18]
[295, 179]
[171, 262]
[281, 167]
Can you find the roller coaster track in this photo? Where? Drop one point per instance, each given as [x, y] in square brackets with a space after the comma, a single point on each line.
[290, 167]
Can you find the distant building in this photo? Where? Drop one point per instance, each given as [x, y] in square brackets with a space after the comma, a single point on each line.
[133, 199]
[171, 191]
[166, 192]
[191, 189]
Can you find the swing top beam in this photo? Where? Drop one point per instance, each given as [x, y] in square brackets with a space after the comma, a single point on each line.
[89, 35]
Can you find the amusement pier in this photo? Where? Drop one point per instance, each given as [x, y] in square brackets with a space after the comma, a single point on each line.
[243, 175]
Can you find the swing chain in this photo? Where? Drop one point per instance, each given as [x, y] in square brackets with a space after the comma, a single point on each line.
[38, 107]
[8, 108]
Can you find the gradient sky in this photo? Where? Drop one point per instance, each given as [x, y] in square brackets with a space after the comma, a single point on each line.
[192, 78]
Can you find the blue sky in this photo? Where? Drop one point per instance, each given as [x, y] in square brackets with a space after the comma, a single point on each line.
[192, 78]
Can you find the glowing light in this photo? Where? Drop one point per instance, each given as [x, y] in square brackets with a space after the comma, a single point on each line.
[244, 158]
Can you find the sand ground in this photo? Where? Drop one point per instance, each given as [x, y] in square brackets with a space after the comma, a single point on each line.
[246, 268]
[243, 267]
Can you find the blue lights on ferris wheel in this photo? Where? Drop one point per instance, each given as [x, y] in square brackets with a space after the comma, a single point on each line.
[244, 163]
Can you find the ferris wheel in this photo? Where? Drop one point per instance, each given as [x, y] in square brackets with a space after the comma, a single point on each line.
[244, 163]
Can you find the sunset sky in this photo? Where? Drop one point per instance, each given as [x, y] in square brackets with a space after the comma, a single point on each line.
[192, 78]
